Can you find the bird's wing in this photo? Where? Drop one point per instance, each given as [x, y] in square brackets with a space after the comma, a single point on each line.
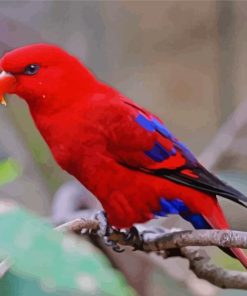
[141, 141]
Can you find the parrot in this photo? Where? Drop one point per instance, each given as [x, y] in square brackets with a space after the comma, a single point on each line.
[122, 153]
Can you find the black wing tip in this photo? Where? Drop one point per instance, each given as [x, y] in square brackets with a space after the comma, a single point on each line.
[220, 186]
[207, 182]
[235, 195]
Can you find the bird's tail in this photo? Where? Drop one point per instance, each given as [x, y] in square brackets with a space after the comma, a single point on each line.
[218, 221]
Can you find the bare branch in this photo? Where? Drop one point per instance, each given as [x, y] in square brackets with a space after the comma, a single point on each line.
[200, 265]
[220, 238]
[181, 243]
[168, 239]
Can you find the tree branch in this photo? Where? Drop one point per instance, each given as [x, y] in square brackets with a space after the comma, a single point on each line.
[180, 243]
[199, 263]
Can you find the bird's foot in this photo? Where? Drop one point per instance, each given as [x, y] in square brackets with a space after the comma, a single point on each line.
[152, 234]
[131, 234]
[139, 235]
[105, 230]
[114, 245]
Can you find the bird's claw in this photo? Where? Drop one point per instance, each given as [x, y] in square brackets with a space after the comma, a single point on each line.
[136, 235]
[110, 243]
[152, 234]
[104, 227]
[118, 249]
[104, 231]
[131, 233]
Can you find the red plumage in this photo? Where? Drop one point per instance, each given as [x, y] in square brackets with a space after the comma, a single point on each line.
[119, 151]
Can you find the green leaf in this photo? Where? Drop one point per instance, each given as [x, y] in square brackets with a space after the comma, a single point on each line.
[56, 261]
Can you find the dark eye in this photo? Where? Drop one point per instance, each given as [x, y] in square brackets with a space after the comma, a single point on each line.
[31, 69]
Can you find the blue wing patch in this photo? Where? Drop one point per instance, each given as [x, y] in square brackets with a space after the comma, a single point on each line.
[145, 123]
[158, 152]
[162, 129]
[178, 207]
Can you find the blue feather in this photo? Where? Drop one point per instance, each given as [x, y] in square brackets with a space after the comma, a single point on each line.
[158, 152]
[177, 206]
[162, 129]
[145, 123]
[197, 221]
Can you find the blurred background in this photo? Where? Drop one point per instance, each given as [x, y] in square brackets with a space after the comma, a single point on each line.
[184, 60]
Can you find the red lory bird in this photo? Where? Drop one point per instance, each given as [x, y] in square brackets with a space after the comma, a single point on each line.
[119, 151]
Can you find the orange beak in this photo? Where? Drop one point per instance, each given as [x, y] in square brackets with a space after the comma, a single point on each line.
[7, 81]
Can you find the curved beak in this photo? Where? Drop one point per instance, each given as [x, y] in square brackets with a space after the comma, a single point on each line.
[7, 81]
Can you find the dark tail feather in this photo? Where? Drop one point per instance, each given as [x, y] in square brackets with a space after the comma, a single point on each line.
[206, 182]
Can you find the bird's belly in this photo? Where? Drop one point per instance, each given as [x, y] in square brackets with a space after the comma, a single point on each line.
[126, 197]
[130, 196]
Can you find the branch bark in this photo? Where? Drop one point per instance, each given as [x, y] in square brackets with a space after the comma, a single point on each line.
[199, 263]
[180, 243]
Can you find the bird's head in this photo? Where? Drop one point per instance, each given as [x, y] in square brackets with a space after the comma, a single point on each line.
[43, 75]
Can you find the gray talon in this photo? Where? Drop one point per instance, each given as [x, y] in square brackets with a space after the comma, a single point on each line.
[152, 234]
[103, 224]
[105, 230]
[117, 249]
[131, 233]
[108, 242]
[114, 245]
